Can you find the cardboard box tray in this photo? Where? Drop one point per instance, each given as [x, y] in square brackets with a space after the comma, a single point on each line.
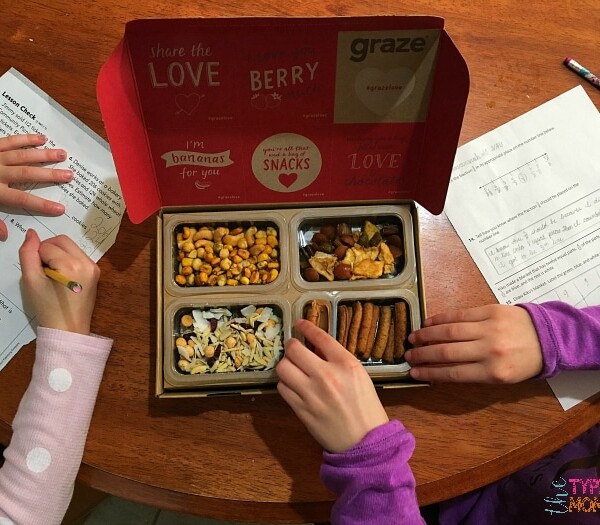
[289, 294]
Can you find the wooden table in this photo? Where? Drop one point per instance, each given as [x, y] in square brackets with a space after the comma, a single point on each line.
[248, 458]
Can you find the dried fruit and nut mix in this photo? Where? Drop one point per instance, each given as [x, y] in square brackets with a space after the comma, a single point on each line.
[226, 255]
[374, 331]
[231, 339]
[342, 250]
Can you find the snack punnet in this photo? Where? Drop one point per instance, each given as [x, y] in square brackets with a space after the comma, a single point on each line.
[223, 256]
[229, 340]
[338, 253]
[374, 332]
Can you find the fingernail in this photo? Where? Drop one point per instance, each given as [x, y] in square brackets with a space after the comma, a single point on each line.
[408, 355]
[61, 155]
[411, 338]
[57, 208]
[43, 139]
[67, 175]
[414, 373]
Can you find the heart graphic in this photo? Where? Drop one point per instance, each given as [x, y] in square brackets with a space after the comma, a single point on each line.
[382, 92]
[187, 103]
[287, 179]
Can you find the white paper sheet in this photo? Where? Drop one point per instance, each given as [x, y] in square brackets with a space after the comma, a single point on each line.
[93, 200]
[525, 200]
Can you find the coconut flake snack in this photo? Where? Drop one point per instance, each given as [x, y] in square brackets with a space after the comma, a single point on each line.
[229, 339]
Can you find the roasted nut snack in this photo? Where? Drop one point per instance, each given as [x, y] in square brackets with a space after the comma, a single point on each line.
[226, 256]
[338, 253]
[374, 331]
[229, 340]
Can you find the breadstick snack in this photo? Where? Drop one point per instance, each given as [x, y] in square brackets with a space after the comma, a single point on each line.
[357, 313]
[372, 333]
[382, 333]
[376, 332]
[388, 353]
[400, 330]
[364, 331]
[344, 315]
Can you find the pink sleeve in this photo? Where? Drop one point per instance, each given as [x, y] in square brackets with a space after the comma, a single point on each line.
[50, 427]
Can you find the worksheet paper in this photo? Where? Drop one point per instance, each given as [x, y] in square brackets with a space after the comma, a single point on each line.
[525, 200]
[93, 201]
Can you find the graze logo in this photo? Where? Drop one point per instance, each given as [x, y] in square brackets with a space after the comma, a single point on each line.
[383, 88]
[360, 48]
[199, 165]
[286, 162]
[384, 76]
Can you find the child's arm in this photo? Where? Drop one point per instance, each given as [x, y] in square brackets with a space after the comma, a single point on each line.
[50, 427]
[372, 480]
[51, 424]
[570, 337]
[506, 344]
[366, 457]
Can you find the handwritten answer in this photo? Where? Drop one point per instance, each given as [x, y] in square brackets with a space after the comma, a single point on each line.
[546, 234]
[583, 290]
[524, 174]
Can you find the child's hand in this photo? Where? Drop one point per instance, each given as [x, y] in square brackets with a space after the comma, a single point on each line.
[54, 305]
[17, 154]
[329, 390]
[489, 344]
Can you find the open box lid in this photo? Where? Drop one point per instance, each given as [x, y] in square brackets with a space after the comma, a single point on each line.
[249, 112]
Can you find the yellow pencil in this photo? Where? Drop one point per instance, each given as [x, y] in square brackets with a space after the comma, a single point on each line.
[60, 278]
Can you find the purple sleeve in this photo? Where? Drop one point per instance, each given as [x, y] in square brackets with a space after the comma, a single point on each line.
[372, 480]
[569, 336]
